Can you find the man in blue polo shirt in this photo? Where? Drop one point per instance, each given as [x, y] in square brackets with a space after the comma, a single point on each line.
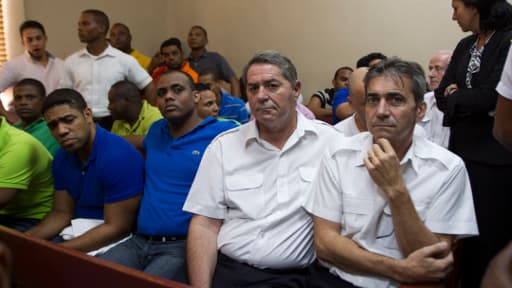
[229, 107]
[98, 177]
[174, 147]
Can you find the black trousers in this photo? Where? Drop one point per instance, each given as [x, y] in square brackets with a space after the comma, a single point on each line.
[320, 277]
[492, 196]
[231, 273]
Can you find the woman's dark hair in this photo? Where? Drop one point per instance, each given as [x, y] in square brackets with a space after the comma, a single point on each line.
[494, 14]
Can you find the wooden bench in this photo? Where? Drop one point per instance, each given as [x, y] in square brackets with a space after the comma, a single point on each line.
[39, 263]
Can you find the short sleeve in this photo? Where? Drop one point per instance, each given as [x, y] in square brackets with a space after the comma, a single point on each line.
[505, 85]
[16, 165]
[206, 196]
[136, 73]
[125, 178]
[8, 76]
[325, 197]
[225, 70]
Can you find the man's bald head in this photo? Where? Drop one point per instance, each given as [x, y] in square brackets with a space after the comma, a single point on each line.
[357, 92]
[437, 66]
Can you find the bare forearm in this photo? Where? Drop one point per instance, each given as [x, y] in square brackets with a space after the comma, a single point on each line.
[96, 238]
[344, 111]
[135, 140]
[348, 256]
[411, 233]
[201, 253]
[51, 225]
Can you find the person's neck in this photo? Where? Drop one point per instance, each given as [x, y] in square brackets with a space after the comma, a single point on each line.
[401, 149]
[43, 60]
[483, 37]
[27, 122]
[194, 54]
[97, 46]
[278, 134]
[360, 123]
[134, 115]
[180, 128]
[128, 50]
[86, 150]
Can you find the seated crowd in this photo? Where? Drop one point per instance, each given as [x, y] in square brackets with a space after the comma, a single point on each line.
[155, 163]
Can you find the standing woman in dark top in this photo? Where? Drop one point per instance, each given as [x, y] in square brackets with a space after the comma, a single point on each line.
[467, 96]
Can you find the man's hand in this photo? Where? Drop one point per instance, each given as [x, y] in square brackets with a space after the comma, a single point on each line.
[450, 89]
[384, 168]
[424, 265]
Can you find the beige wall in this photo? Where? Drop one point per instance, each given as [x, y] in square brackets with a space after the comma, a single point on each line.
[318, 36]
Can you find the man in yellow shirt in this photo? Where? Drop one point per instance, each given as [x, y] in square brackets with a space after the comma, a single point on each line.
[132, 115]
[121, 38]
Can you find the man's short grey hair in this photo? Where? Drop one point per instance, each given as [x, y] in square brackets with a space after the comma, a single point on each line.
[275, 58]
[398, 69]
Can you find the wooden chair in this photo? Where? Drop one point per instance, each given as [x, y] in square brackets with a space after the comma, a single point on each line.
[39, 263]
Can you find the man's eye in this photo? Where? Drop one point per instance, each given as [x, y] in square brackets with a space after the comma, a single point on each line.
[160, 92]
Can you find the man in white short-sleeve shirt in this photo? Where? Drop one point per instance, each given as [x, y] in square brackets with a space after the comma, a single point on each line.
[502, 129]
[36, 63]
[383, 195]
[248, 225]
[94, 69]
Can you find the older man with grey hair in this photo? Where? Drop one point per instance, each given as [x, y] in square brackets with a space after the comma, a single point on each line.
[249, 226]
[384, 196]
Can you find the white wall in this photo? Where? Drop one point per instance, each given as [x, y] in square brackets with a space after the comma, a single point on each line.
[319, 36]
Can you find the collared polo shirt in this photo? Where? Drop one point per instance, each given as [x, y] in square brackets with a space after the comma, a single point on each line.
[258, 190]
[171, 166]
[345, 193]
[24, 66]
[147, 116]
[93, 76]
[233, 108]
[40, 131]
[25, 165]
[113, 172]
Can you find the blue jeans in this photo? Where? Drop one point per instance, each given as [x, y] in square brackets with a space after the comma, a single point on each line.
[163, 259]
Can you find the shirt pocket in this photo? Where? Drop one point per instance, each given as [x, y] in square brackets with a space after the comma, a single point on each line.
[245, 196]
[356, 211]
[306, 174]
[386, 230]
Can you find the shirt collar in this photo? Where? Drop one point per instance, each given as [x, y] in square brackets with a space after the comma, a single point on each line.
[35, 123]
[109, 51]
[363, 142]
[3, 127]
[165, 126]
[250, 131]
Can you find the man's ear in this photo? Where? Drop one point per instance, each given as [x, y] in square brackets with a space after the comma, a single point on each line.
[197, 97]
[420, 111]
[296, 88]
[88, 115]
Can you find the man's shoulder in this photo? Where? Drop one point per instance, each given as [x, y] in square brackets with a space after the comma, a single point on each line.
[230, 99]
[428, 150]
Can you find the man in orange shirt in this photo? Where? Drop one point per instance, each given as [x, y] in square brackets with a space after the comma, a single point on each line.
[172, 56]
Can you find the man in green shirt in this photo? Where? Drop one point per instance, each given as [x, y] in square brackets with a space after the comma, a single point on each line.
[26, 182]
[132, 115]
[29, 95]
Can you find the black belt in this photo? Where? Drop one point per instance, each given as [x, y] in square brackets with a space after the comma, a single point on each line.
[156, 238]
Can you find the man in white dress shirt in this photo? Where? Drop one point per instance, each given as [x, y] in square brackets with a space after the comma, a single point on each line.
[433, 120]
[35, 63]
[94, 69]
[249, 228]
[382, 196]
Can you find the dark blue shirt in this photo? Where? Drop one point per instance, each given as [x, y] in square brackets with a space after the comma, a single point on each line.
[233, 108]
[171, 166]
[113, 172]
[340, 97]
